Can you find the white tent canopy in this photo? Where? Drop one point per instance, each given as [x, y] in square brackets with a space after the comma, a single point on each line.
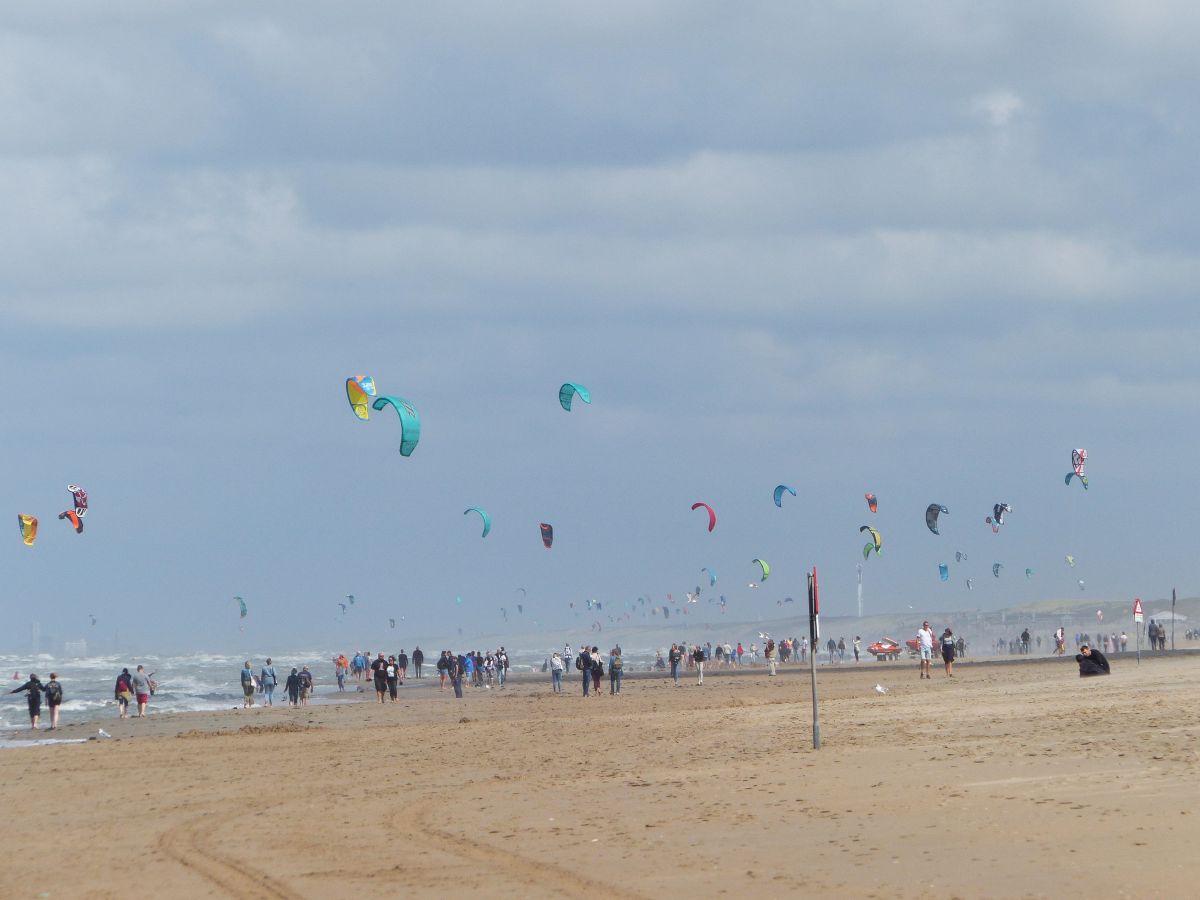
[1166, 617]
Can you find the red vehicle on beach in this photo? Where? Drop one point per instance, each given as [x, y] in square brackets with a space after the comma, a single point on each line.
[885, 648]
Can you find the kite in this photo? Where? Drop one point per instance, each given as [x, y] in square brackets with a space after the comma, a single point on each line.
[1099, 615]
[93, 618]
[391, 623]
[1078, 461]
[524, 593]
[547, 534]
[766, 569]
[712, 576]
[359, 390]
[1070, 560]
[944, 571]
[520, 609]
[241, 607]
[79, 495]
[876, 540]
[931, 516]
[458, 601]
[504, 612]
[959, 556]
[712, 514]
[1029, 573]
[1082, 479]
[487, 520]
[996, 567]
[779, 489]
[350, 597]
[28, 526]
[872, 502]
[1081, 584]
[74, 518]
[567, 393]
[410, 422]
[996, 519]
[666, 612]
[970, 585]
[344, 608]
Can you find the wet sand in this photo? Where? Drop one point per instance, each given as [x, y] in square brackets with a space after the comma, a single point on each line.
[1007, 781]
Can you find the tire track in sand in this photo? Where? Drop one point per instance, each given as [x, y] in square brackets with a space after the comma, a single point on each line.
[190, 845]
[523, 871]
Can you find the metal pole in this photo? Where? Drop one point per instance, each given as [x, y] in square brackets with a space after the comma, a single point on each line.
[1138, 631]
[1172, 618]
[814, 633]
[859, 567]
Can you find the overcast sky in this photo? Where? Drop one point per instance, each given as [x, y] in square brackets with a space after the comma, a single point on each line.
[918, 249]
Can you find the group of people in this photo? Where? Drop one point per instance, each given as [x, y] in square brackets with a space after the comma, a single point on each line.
[298, 685]
[34, 688]
[483, 670]
[361, 666]
[590, 664]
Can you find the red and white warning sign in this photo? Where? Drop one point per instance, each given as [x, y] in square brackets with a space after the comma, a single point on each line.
[1137, 610]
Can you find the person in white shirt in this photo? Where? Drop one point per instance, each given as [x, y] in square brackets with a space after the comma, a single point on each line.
[925, 645]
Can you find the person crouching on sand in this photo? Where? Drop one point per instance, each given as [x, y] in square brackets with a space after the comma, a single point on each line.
[1091, 662]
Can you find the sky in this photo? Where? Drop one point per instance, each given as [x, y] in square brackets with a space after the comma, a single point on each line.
[921, 250]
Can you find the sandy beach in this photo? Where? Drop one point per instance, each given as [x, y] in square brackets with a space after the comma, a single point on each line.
[1007, 781]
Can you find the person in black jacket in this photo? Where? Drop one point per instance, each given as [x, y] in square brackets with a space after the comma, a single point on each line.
[35, 688]
[292, 686]
[1091, 662]
[417, 658]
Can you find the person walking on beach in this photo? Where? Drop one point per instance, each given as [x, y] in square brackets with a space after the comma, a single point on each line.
[857, 646]
[925, 648]
[142, 686]
[583, 662]
[306, 685]
[248, 685]
[392, 678]
[417, 658]
[597, 670]
[948, 651]
[698, 659]
[340, 667]
[401, 665]
[556, 670]
[458, 670]
[769, 652]
[673, 657]
[292, 686]
[267, 680]
[379, 673]
[616, 666]
[34, 697]
[54, 699]
[123, 692]
[1060, 641]
[443, 667]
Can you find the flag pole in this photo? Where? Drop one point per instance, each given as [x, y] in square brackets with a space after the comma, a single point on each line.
[814, 631]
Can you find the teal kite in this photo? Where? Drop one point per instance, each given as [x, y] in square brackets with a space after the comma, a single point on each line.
[410, 422]
[779, 489]
[712, 576]
[567, 392]
[487, 520]
[241, 607]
